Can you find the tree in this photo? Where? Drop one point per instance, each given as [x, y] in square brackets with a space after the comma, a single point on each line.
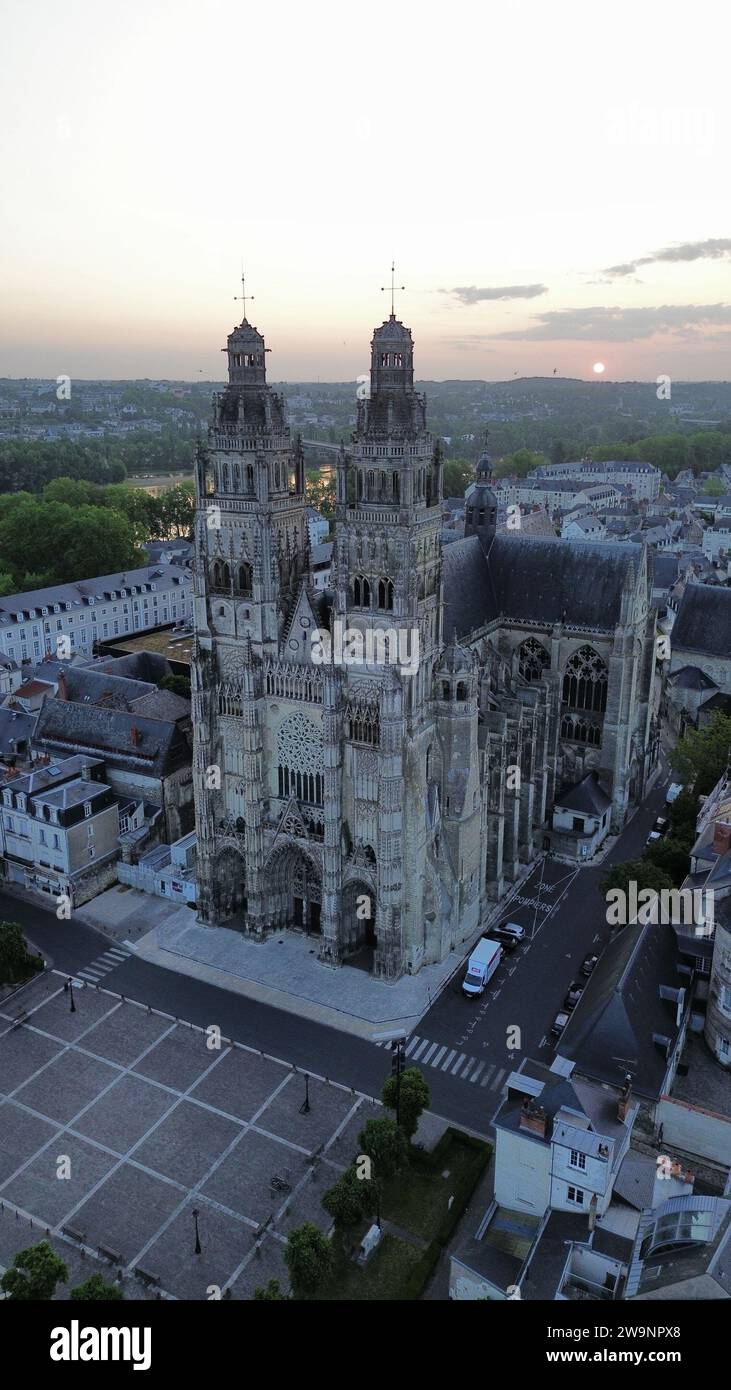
[714, 487]
[308, 1257]
[34, 1274]
[457, 474]
[320, 493]
[558, 451]
[180, 685]
[79, 541]
[74, 492]
[683, 814]
[640, 871]
[521, 463]
[350, 1199]
[96, 1290]
[414, 1098]
[7, 585]
[385, 1145]
[16, 961]
[701, 756]
[270, 1293]
[672, 856]
[178, 509]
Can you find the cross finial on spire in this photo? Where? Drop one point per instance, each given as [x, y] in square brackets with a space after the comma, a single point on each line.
[243, 296]
[392, 287]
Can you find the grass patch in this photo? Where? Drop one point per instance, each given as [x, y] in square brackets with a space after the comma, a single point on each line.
[17, 975]
[417, 1200]
[394, 1272]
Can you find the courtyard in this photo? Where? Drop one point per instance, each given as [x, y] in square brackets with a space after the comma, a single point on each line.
[118, 1123]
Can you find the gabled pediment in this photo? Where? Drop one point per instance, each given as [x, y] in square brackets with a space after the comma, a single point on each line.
[297, 643]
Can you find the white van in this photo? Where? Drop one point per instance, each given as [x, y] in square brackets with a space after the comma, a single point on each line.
[481, 966]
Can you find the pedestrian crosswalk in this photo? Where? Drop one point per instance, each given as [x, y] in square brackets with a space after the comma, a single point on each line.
[451, 1060]
[108, 960]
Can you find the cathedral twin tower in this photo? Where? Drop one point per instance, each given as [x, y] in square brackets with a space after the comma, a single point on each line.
[318, 786]
[377, 807]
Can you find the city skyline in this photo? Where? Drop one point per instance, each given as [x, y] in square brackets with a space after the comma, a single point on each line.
[543, 216]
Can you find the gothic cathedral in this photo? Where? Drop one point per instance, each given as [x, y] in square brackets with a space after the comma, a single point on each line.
[375, 762]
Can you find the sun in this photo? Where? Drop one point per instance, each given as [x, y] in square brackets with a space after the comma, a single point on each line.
[598, 368]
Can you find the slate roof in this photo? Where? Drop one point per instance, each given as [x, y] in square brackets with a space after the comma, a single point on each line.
[159, 745]
[635, 1181]
[611, 1029]
[665, 571]
[84, 685]
[691, 678]
[586, 796]
[537, 579]
[79, 593]
[16, 728]
[162, 704]
[138, 665]
[703, 622]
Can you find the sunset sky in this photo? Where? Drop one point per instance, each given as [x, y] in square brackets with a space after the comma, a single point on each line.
[552, 181]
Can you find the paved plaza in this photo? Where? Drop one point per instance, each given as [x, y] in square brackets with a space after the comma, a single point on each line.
[151, 1121]
[283, 970]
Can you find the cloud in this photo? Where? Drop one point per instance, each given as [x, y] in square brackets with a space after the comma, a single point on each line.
[470, 294]
[468, 342]
[603, 324]
[712, 249]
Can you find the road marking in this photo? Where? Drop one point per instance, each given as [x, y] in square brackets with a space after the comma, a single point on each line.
[487, 1075]
[412, 1044]
[436, 1060]
[458, 1064]
[470, 1065]
[498, 1079]
[429, 1053]
[449, 1059]
[476, 1073]
[420, 1049]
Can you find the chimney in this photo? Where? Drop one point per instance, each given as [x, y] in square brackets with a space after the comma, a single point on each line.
[625, 1100]
[721, 836]
[134, 734]
[533, 1118]
[61, 693]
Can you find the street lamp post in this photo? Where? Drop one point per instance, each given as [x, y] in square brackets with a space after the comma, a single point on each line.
[197, 1237]
[305, 1106]
[69, 989]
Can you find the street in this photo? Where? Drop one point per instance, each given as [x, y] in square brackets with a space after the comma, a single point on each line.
[462, 1045]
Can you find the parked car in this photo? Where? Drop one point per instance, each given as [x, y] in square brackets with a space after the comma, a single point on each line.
[588, 963]
[573, 995]
[509, 933]
[660, 827]
[559, 1023]
[673, 792]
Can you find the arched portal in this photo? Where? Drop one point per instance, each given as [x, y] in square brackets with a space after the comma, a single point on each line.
[294, 890]
[229, 880]
[358, 908]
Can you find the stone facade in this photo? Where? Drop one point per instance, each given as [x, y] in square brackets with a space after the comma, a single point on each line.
[382, 800]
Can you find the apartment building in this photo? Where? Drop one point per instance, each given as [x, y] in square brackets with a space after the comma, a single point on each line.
[65, 619]
[59, 829]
